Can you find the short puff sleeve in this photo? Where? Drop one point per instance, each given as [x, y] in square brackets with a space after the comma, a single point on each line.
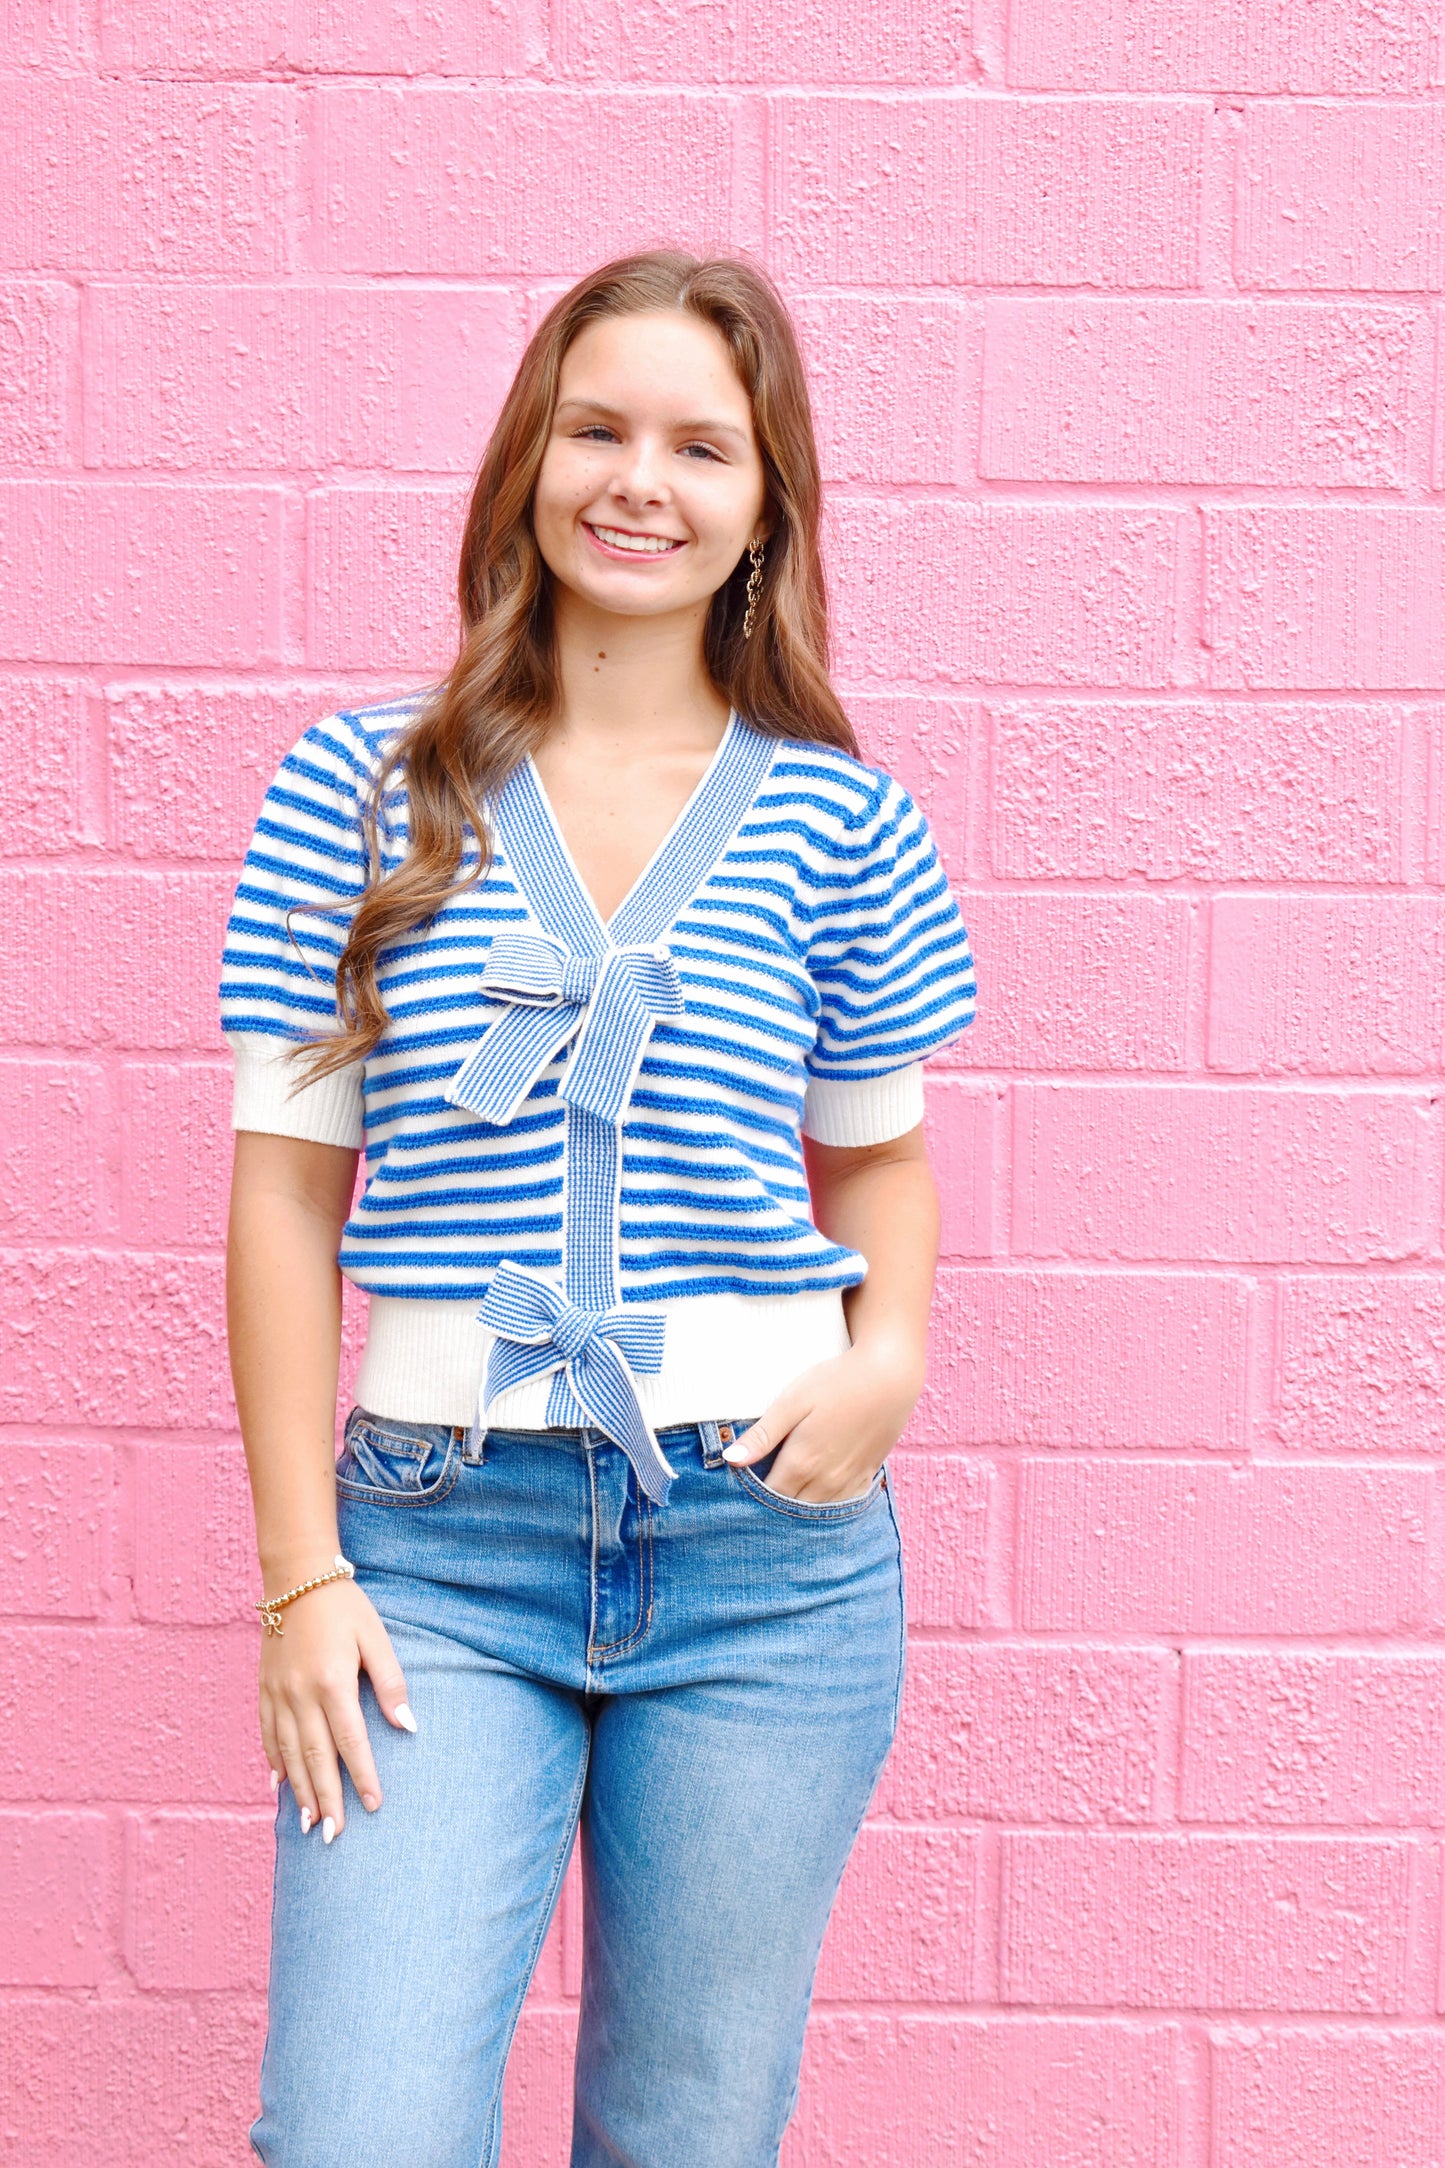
[893, 966]
[303, 873]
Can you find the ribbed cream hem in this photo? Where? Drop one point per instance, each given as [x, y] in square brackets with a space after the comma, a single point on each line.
[867, 1112]
[726, 1355]
[267, 1095]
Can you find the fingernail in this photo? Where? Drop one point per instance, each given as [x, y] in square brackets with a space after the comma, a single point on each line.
[328, 1830]
[307, 1818]
[370, 1801]
[735, 1452]
[404, 1717]
[275, 1782]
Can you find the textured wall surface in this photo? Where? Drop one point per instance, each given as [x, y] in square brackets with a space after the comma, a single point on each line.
[1126, 323]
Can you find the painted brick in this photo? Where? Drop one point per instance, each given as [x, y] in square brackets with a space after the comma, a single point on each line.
[45, 793]
[1342, 196]
[925, 741]
[1313, 1736]
[995, 2092]
[1248, 45]
[1333, 1177]
[100, 1337]
[229, 37]
[1025, 594]
[381, 578]
[159, 177]
[890, 389]
[962, 1124]
[140, 573]
[63, 1683]
[1095, 982]
[1274, 791]
[51, 1187]
[194, 1541]
[175, 1140]
[171, 794]
[197, 1900]
[291, 376]
[1327, 983]
[52, 1900]
[1008, 192]
[92, 995]
[1002, 1732]
[39, 358]
[1153, 1921]
[55, 1508]
[1320, 393]
[1294, 2097]
[946, 1504]
[1432, 724]
[724, 41]
[1202, 1548]
[1360, 1363]
[537, 2100]
[337, 37]
[139, 2082]
[1040, 1359]
[38, 33]
[1330, 596]
[444, 180]
[906, 1921]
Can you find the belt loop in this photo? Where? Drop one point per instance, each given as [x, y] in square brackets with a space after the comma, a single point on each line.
[474, 1441]
[713, 1442]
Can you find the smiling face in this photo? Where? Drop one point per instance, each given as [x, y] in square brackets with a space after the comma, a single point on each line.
[651, 485]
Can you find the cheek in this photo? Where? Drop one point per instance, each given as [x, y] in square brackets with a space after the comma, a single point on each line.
[559, 493]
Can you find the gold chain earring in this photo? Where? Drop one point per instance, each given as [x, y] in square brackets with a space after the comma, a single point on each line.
[755, 581]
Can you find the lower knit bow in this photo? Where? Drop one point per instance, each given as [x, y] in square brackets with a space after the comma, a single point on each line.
[538, 1330]
[610, 1001]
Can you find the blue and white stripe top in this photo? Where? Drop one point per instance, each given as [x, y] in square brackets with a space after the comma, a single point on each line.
[611, 1112]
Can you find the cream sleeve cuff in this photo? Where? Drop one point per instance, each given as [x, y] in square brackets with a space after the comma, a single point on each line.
[869, 1112]
[328, 1112]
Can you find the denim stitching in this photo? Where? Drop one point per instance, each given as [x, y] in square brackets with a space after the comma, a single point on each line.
[363, 1494]
[644, 1590]
[544, 1921]
[837, 1511]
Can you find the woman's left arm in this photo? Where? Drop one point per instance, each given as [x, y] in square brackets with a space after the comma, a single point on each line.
[837, 1422]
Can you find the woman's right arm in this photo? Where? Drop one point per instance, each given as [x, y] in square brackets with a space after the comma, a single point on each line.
[289, 1201]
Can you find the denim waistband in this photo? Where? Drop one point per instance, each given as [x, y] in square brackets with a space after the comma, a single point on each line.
[711, 1435]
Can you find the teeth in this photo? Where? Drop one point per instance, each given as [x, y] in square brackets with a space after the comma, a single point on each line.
[645, 545]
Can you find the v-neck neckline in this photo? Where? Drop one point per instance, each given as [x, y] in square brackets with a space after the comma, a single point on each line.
[693, 798]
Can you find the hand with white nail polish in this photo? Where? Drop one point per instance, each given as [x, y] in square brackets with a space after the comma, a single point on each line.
[311, 1718]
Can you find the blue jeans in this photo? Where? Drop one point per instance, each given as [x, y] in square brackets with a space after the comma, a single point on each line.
[709, 1689]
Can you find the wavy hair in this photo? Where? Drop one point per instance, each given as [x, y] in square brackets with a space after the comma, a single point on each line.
[500, 694]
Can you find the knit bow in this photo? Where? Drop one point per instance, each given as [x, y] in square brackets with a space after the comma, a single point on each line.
[610, 1001]
[537, 1330]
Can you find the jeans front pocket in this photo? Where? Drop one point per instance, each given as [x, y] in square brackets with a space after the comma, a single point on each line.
[824, 1512]
[396, 1464]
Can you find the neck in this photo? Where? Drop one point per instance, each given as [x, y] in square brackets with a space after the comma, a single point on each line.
[633, 678]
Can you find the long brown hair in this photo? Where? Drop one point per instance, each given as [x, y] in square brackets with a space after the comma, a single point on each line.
[500, 694]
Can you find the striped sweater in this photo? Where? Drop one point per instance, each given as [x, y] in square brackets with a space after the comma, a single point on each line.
[601, 1120]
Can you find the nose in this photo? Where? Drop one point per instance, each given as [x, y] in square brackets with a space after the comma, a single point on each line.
[637, 476]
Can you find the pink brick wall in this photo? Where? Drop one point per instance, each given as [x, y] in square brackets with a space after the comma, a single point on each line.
[1127, 322]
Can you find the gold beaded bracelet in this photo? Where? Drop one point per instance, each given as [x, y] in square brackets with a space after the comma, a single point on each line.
[343, 1570]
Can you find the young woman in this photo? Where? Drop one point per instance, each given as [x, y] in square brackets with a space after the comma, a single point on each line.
[581, 947]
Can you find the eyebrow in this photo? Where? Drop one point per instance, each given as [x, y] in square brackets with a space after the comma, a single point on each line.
[704, 428]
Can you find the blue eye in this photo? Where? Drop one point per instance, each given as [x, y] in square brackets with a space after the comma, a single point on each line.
[705, 449]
